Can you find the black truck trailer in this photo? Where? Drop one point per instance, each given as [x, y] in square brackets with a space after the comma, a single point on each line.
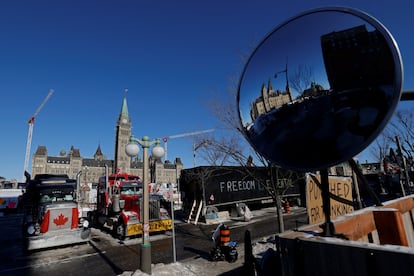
[228, 188]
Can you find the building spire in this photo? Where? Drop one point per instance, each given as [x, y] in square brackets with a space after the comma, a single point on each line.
[98, 150]
[123, 132]
[124, 108]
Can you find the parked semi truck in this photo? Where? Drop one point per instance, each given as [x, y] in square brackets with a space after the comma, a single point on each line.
[228, 188]
[51, 212]
[119, 206]
[10, 199]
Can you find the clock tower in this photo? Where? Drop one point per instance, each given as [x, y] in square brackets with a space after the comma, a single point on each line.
[123, 132]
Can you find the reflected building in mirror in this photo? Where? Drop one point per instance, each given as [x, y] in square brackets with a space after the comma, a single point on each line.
[269, 100]
[315, 90]
[357, 58]
[354, 90]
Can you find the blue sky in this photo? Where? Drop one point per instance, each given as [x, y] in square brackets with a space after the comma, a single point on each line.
[173, 56]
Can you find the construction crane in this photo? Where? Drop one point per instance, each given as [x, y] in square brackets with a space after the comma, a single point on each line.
[166, 138]
[30, 134]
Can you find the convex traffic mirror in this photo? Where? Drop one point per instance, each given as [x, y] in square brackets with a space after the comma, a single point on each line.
[319, 88]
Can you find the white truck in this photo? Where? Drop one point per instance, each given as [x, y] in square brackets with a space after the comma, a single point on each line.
[10, 199]
[51, 212]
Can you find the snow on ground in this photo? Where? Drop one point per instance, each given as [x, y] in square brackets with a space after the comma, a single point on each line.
[203, 267]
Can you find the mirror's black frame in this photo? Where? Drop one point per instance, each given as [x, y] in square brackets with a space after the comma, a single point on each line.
[262, 130]
[407, 95]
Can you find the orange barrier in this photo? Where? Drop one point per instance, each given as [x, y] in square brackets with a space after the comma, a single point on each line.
[224, 236]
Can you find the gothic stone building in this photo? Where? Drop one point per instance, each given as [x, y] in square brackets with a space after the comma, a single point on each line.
[72, 162]
[269, 99]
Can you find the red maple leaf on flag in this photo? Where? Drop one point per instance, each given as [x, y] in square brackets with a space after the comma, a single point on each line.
[12, 204]
[60, 220]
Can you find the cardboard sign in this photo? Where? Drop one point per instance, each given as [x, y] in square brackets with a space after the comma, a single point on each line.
[340, 189]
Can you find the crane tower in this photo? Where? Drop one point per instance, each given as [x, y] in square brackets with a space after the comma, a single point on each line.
[30, 134]
[166, 138]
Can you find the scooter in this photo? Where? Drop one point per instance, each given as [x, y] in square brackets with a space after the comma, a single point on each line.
[224, 248]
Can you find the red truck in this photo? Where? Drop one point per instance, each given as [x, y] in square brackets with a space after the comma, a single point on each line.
[119, 206]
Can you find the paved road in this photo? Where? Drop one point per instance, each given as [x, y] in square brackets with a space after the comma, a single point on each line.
[105, 255]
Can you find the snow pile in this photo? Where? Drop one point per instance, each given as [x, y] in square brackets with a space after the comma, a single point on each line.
[193, 268]
[263, 245]
[170, 269]
[203, 267]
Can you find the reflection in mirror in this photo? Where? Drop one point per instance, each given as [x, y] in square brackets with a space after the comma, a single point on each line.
[319, 88]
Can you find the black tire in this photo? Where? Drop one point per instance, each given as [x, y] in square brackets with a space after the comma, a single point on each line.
[119, 230]
[86, 234]
[92, 219]
[216, 254]
[232, 257]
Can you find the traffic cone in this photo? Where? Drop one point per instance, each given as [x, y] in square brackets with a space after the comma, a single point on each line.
[287, 207]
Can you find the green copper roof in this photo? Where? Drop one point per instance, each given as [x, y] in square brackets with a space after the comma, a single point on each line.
[124, 109]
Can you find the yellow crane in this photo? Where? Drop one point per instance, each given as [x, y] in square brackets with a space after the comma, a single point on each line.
[165, 139]
[30, 134]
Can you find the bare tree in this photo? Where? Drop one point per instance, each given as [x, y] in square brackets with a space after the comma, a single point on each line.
[232, 148]
[402, 126]
[221, 151]
[301, 78]
[380, 147]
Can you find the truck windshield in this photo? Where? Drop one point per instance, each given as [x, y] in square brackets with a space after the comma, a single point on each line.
[132, 190]
[56, 194]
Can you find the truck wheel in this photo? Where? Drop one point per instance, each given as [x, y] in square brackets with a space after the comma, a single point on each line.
[86, 234]
[119, 230]
[92, 219]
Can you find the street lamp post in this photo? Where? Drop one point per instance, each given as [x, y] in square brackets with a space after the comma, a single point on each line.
[131, 150]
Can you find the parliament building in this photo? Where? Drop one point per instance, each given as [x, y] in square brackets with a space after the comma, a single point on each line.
[72, 162]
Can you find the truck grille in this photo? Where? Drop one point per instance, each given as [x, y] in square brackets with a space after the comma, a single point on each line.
[154, 209]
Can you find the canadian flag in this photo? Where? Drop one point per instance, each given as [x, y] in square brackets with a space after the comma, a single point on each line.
[391, 168]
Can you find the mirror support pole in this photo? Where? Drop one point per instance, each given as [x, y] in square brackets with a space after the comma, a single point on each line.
[328, 227]
[407, 95]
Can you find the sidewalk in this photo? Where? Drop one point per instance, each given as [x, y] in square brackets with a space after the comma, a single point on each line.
[205, 267]
[202, 267]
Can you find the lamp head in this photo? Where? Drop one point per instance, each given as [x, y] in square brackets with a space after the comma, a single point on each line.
[132, 149]
[157, 150]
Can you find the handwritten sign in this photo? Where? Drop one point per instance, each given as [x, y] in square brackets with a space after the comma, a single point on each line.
[340, 189]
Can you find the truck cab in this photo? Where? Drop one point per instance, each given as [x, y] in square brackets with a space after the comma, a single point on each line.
[119, 207]
[51, 213]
